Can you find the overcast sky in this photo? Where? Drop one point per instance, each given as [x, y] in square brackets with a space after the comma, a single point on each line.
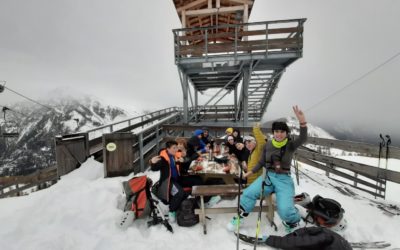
[122, 52]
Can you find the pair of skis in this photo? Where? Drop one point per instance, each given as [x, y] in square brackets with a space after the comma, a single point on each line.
[382, 145]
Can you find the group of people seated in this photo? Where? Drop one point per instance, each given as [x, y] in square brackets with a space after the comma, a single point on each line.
[253, 152]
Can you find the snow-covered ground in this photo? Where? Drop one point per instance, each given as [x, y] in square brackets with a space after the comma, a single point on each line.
[80, 212]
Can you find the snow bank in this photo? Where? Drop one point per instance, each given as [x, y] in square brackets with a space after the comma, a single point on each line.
[80, 212]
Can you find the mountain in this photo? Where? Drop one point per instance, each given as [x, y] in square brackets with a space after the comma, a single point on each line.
[38, 125]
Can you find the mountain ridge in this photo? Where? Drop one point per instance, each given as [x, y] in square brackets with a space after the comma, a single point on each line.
[38, 125]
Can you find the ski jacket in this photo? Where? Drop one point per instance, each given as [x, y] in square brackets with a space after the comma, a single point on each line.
[193, 146]
[164, 166]
[238, 138]
[309, 238]
[271, 155]
[255, 154]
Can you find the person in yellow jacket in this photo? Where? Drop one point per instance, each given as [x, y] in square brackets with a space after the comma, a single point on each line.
[255, 146]
[250, 152]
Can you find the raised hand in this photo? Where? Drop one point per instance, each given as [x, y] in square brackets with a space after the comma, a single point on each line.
[299, 114]
[155, 159]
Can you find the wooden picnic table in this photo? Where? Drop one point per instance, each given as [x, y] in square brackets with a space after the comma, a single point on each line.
[228, 172]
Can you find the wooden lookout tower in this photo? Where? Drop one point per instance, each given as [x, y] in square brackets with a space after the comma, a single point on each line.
[218, 48]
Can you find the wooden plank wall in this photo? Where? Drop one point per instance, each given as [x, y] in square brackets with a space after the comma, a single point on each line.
[118, 161]
[71, 152]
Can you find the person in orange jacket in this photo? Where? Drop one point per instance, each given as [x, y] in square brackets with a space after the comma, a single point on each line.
[169, 190]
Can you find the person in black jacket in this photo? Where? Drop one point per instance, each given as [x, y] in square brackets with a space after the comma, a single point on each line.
[309, 238]
[236, 136]
[169, 190]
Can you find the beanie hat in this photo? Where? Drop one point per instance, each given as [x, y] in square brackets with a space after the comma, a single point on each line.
[280, 126]
[229, 130]
[249, 138]
[198, 132]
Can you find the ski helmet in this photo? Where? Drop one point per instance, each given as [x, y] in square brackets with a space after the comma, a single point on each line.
[327, 213]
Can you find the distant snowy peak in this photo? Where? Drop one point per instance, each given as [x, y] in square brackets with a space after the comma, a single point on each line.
[38, 125]
[313, 131]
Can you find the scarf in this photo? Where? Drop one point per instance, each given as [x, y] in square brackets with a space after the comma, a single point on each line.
[279, 144]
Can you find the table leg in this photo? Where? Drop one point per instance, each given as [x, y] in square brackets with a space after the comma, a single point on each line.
[203, 214]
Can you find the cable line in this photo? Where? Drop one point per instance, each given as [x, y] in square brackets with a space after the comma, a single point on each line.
[30, 99]
[355, 81]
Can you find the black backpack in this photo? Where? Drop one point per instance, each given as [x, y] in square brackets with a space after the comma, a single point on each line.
[185, 216]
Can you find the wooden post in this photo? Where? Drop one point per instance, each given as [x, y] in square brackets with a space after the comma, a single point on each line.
[118, 154]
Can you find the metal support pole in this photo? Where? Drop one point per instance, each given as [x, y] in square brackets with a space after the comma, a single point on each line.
[157, 138]
[185, 98]
[141, 153]
[196, 104]
[235, 104]
[245, 102]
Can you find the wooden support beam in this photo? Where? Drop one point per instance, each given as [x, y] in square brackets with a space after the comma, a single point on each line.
[191, 5]
[248, 2]
[184, 19]
[213, 11]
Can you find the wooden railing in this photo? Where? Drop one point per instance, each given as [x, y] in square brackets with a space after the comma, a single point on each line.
[16, 185]
[239, 39]
[134, 143]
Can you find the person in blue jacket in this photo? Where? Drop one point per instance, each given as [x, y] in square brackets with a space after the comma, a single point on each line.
[276, 158]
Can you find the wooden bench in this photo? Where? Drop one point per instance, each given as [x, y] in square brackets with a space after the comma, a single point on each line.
[225, 190]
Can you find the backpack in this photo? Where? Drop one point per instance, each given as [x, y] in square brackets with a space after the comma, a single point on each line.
[326, 212]
[309, 238]
[137, 191]
[185, 216]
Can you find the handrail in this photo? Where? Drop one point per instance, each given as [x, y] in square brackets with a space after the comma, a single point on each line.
[301, 20]
[236, 43]
[129, 120]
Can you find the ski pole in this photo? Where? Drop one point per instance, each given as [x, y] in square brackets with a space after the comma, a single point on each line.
[260, 212]
[388, 142]
[238, 206]
[381, 145]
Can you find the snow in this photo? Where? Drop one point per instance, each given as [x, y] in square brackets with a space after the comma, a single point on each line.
[80, 212]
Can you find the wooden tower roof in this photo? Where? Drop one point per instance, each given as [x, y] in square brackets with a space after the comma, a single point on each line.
[203, 13]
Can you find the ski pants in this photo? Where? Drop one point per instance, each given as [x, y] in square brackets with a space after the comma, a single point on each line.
[177, 195]
[282, 185]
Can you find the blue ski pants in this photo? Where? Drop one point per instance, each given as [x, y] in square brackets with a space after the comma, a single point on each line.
[283, 186]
